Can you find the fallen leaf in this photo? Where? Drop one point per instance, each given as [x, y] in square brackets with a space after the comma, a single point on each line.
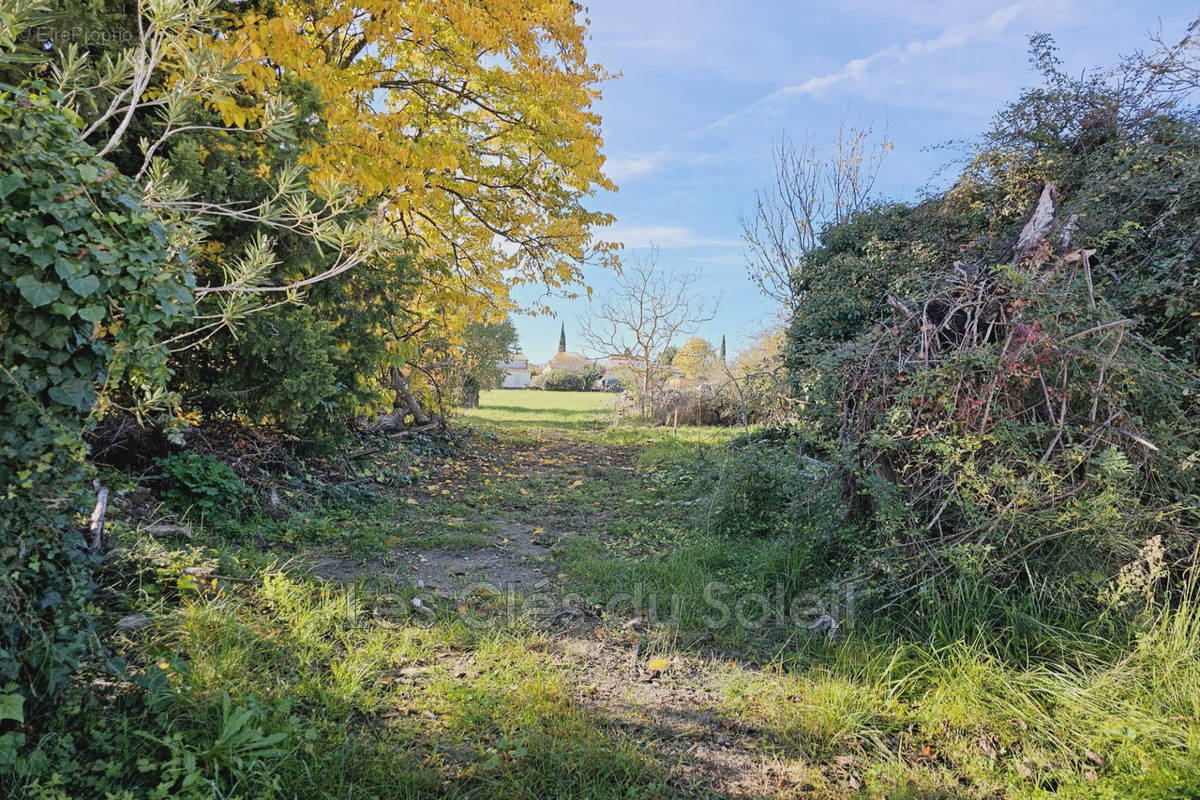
[989, 749]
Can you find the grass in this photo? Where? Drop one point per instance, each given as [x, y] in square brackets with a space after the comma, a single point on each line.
[529, 410]
[253, 678]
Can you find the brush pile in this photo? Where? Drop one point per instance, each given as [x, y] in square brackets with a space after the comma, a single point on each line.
[1009, 422]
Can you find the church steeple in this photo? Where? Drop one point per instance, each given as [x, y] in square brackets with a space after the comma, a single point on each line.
[562, 338]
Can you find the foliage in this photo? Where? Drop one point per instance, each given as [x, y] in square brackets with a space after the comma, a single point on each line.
[198, 484]
[759, 378]
[879, 251]
[570, 380]
[485, 345]
[88, 290]
[508, 146]
[1061, 445]
[696, 358]
[1123, 152]
[998, 415]
[756, 493]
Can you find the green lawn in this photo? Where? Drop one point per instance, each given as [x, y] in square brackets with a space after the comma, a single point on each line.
[533, 408]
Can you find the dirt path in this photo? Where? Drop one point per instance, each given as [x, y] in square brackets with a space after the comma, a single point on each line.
[669, 704]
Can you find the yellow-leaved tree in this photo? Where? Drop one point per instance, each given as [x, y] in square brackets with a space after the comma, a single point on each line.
[471, 121]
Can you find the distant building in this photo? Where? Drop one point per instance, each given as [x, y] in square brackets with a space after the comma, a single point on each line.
[680, 382]
[621, 370]
[624, 361]
[517, 374]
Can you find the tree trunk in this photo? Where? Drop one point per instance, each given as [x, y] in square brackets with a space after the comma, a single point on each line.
[1036, 232]
[645, 384]
[400, 385]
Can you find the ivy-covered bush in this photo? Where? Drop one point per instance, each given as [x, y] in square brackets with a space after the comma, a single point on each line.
[86, 292]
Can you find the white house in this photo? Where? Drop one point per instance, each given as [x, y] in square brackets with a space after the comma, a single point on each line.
[517, 374]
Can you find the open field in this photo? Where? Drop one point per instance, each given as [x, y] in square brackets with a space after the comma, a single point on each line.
[531, 409]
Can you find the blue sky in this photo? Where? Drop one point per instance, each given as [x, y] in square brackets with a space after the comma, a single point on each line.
[707, 88]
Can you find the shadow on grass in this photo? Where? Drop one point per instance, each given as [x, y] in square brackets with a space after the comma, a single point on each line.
[299, 703]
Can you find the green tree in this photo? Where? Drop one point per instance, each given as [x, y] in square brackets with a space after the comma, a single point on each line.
[485, 345]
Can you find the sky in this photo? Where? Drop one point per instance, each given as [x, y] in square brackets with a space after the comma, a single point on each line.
[707, 88]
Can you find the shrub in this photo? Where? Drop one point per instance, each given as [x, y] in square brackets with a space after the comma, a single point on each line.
[570, 380]
[198, 484]
[707, 404]
[1009, 426]
[288, 370]
[756, 493]
[749, 401]
[1009, 418]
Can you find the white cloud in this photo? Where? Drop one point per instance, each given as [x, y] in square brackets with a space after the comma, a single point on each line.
[917, 12]
[662, 44]
[668, 237]
[620, 168]
[928, 73]
[860, 71]
[636, 166]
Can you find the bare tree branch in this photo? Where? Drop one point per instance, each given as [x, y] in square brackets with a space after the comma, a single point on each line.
[647, 309]
[810, 191]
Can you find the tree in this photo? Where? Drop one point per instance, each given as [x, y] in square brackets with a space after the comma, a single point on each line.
[486, 344]
[470, 121]
[647, 308]
[459, 135]
[810, 191]
[722, 348]
[696, 358]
